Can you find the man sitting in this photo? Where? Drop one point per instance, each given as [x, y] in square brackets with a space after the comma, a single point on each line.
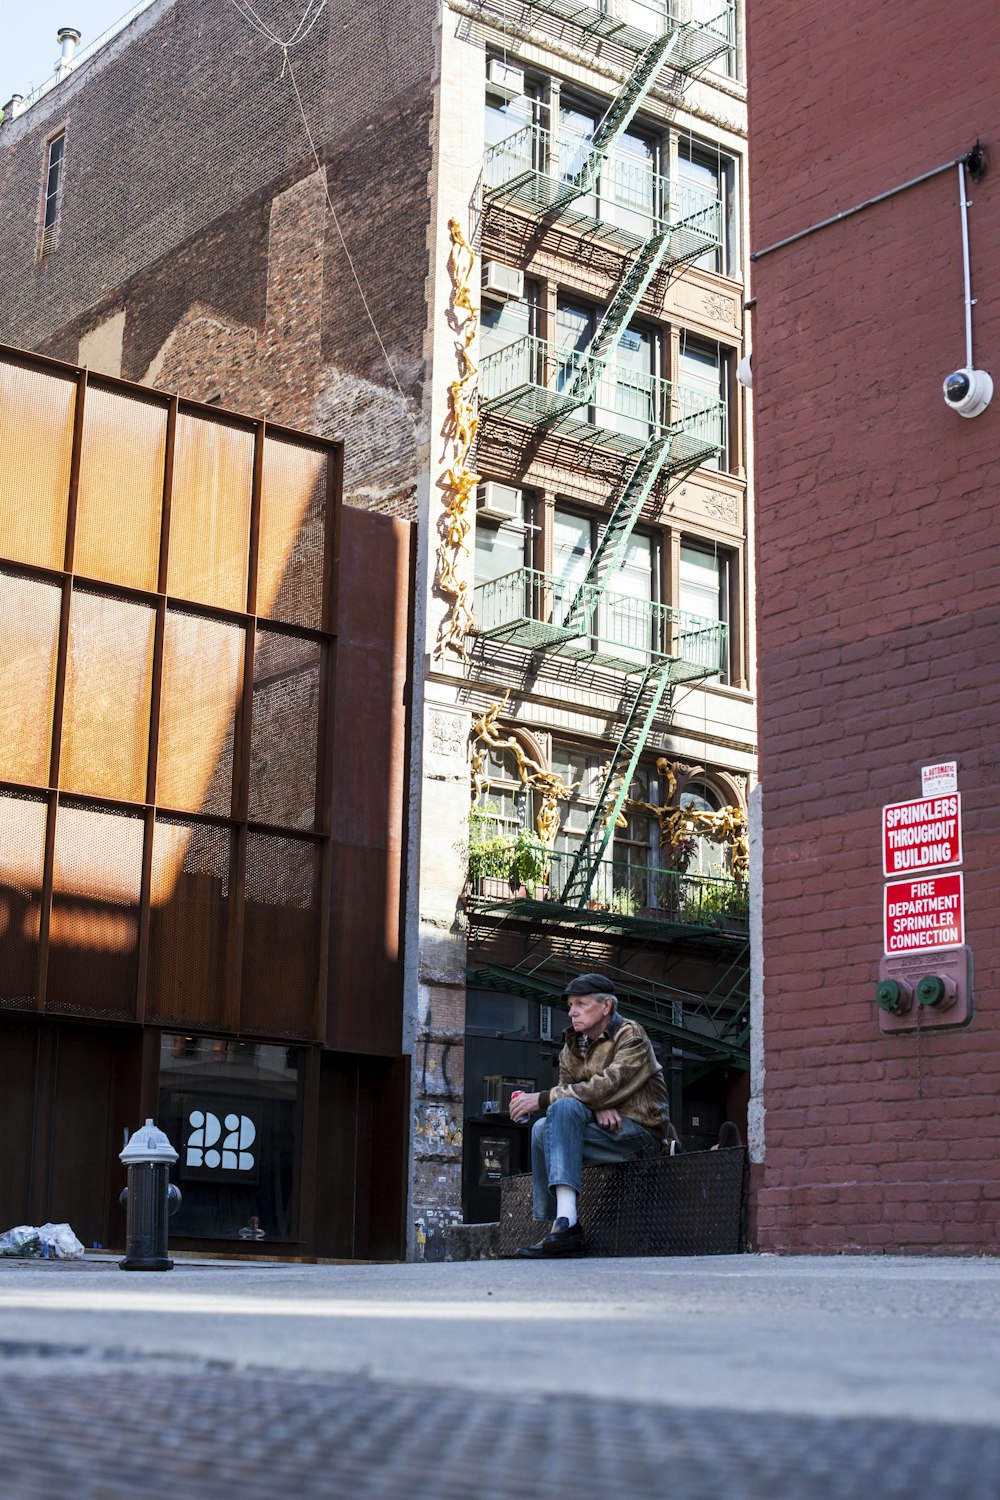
[610, 1104]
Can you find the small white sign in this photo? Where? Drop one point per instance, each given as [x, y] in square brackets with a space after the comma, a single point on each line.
[935, 780]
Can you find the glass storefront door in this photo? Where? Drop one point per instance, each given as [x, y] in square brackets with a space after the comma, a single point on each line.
[232, 1111]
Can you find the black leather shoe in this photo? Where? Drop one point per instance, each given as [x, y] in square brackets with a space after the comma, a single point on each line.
[562, 1239]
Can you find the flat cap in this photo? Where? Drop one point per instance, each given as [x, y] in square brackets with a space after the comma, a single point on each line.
[589, 984]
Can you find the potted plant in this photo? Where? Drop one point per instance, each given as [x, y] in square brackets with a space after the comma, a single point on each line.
[532, 862]
[491, 853]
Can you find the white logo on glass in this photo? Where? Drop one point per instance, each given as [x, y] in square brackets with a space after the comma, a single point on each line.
[203, 1143]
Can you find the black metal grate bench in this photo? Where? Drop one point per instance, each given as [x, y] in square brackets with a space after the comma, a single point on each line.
[691, 1204]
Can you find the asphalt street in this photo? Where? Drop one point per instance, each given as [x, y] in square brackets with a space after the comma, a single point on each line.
[745, 1375]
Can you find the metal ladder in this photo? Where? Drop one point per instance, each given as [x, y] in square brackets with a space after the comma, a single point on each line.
[618, 314]
[652, 688]
[610, 550]
[623, 111]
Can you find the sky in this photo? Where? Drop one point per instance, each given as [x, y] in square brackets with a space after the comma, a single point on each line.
[29, 49]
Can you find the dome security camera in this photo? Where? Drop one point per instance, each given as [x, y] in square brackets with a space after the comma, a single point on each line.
[968, 391]
[744, 372]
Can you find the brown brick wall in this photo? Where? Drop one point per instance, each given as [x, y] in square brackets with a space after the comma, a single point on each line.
[878, 609]
[191, 200]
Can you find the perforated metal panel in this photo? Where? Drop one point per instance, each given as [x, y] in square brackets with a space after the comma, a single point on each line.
[94, 923]
[284, 739]
[189, 915]
[280, 936]
[209, 541]
[121, 488]
[22, 848]
[292, 533]
[36, 447]
[105, 739]
[29, 636]
[692, 1204]
[226, 750]
[202, 680]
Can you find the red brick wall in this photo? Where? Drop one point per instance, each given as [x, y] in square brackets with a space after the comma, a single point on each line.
[878, 606]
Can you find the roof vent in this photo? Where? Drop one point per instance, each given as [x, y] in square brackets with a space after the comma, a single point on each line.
[68, 38]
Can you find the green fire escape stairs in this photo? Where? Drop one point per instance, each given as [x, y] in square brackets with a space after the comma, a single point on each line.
[654, 684]
[712, 1036]
[610, 550]
[656, 678]
[729, 1000]
[622, 112]
[617, 316]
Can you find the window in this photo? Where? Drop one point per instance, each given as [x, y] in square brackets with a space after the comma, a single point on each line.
[707, 857]
[627, 878]
[625, 192]
[623, 618]
[506, 116]
[708, 168]
[704, 589]
[503, 323]
[577, 768]
[704, 370]
[626, 397]
[507, 805]
[53, 190]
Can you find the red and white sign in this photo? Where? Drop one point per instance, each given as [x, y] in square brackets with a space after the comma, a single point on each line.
[937, 781]
[925, 913]
[922, 835]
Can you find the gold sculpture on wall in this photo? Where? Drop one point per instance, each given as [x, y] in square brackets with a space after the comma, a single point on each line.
[550, 785]
[458, 518]
[727, 826]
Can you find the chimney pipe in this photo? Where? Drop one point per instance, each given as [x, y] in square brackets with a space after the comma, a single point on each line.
[67, 37]
[14, 107]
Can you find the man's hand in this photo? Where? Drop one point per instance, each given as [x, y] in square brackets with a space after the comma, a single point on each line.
[609, 1118]
[523, 1106]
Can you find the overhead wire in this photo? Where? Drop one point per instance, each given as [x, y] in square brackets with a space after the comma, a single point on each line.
[308, 20]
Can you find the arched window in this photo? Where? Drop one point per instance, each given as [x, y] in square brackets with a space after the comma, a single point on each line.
[707, 857]
[506, 799]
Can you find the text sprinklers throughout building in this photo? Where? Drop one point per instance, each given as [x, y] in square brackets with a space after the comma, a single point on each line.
[925, 975]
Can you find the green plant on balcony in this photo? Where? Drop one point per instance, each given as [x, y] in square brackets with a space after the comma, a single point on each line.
[532, 861]
[712, 903]
[623, 902]
[491, 853]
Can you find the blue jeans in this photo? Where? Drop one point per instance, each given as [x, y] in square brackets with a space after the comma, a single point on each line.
[566, 1137]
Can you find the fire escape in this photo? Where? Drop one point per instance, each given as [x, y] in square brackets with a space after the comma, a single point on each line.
[659, 430]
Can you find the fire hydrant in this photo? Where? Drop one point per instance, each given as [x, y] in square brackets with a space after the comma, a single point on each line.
[149, 1199]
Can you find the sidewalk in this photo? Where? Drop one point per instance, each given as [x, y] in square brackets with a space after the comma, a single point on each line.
[727, 1376]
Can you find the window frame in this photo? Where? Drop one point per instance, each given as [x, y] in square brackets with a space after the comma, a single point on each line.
[50, 211]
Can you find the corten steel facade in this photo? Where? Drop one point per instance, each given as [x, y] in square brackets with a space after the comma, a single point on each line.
[176, 227]
[878, 609]
[178, 724]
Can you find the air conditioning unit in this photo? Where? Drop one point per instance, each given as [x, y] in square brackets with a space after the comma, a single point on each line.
[504, 80]
[505, 282]
[499, 502]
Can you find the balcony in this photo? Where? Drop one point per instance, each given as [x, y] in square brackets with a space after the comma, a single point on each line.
[536, 383]
[699, 41]
[528, 608]
[530, 171]
[622, 893]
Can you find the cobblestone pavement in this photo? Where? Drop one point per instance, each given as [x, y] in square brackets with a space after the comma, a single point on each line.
[133, 1428]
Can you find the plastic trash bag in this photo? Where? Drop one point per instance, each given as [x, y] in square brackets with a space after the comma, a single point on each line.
[22, 1240]
[48, 1242]
[59, 1242]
